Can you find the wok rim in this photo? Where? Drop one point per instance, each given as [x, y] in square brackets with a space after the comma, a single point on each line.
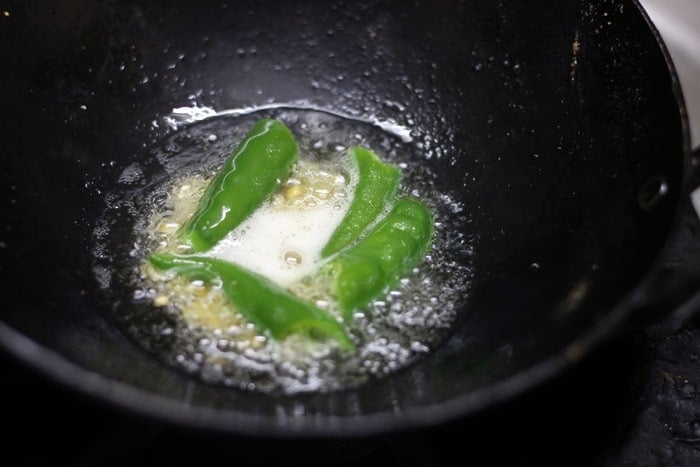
[138, 401]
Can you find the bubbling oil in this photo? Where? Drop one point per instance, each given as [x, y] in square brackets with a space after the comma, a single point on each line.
[193, 327]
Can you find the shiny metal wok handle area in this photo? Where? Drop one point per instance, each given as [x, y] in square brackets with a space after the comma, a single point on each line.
[678, 23]
[692, 305]
[675, 286]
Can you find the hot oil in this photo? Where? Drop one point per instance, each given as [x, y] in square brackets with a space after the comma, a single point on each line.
[193, 327]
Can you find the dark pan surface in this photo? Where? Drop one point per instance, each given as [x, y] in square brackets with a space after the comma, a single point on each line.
[557, 126]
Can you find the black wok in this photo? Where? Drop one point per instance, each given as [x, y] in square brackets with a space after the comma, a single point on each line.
[559, 126]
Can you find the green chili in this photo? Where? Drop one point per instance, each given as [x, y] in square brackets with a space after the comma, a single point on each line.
[376, 262]
[375, 190]
[259, 300]
[249, 176]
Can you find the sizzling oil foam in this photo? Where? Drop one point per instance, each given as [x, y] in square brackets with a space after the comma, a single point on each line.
[283, 239]
[193, 327]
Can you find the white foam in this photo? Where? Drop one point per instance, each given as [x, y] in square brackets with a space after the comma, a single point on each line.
[185, 115]
[271, 240]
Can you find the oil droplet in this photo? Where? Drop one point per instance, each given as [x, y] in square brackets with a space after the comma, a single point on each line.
[161, 300]
[292, 258]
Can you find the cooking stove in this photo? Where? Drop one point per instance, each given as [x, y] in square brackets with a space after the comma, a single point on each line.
[635, 401]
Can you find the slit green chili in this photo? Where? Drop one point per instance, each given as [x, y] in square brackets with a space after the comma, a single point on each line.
[250, 175]
[394, 246]
[259, 300]
[375, 190]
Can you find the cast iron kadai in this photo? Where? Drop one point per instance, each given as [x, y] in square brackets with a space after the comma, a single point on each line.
[559, 126]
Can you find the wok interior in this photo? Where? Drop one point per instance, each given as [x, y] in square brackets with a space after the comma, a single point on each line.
[548, 122]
